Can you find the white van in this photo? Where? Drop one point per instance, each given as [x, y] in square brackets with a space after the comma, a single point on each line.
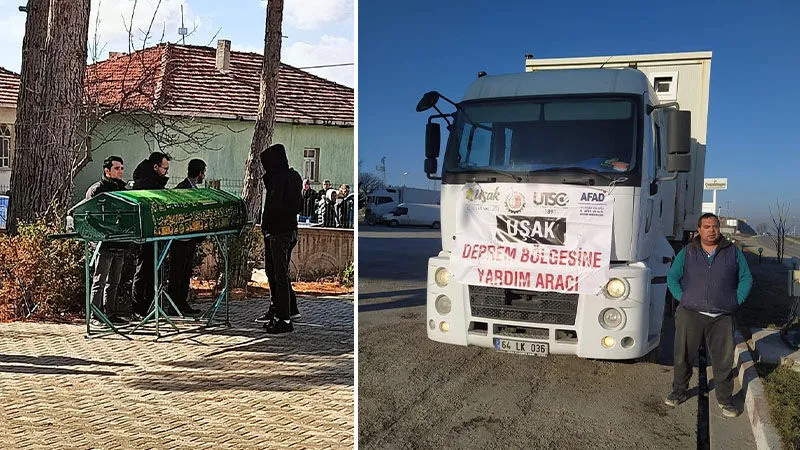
[413, 214]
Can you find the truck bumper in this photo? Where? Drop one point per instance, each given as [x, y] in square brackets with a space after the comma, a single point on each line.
[578, 330]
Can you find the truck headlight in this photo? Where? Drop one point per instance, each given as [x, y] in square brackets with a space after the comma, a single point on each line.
[443, 304]
[612, 318]
[442, 277]
[617, 289]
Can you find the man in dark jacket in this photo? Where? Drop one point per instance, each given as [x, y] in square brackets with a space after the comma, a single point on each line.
[149, 174]
[309, 203]
[182, 250]
[282, 203]
[710, 278]
[111, 257]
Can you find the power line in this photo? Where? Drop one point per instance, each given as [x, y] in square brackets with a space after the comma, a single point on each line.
[326, 65]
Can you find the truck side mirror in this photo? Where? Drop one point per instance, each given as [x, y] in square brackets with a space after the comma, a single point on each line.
[433, 139]
[679, 163]
[679, 139]
[430, 166]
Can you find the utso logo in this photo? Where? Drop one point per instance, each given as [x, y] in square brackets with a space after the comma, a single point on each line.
[550, 198]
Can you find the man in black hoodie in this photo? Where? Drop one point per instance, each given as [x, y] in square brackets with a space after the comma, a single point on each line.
[108, 268]
[149, 174]
[282, 203]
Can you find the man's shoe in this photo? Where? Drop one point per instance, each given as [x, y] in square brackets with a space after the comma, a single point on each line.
[136, 317]
[268, 316]
[295, 315]
[278, 326]
[674, 399]
[729, 410]
[117, 320]
[97, 323]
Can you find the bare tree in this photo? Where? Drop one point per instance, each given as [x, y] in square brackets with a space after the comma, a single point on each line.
[262, 137]
[49, 128]
[779, 218]
[121, 97]
[369, 182]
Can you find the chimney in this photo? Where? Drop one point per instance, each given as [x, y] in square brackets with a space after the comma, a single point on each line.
[115, 55]
[223, 55]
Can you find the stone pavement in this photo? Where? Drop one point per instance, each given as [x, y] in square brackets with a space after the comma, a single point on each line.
[221, 388]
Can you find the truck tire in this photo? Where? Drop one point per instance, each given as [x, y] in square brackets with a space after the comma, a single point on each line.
[394, 223]
[371, 220]
[436, 226]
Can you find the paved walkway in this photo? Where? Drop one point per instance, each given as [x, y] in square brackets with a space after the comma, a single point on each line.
[226, 388]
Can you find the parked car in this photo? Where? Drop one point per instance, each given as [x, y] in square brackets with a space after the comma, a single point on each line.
[413, 214]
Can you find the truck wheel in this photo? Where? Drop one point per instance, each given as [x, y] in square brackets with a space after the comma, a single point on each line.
[394, 223]
[436, 225]
[371, 220]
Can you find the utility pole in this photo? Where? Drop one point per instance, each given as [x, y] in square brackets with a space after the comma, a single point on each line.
[381, 168]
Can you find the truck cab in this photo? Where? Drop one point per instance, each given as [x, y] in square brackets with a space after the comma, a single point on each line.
[534, 148]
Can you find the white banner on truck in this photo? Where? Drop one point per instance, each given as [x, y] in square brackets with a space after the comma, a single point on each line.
[537, 237]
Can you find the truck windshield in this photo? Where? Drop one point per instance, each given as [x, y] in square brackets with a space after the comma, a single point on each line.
[526, 136]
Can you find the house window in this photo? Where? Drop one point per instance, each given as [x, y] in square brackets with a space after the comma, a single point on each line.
[311, 164]
[665, 85]
[5, 147]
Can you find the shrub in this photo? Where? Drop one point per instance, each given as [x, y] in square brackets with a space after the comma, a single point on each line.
[347, 276]
[39, 274]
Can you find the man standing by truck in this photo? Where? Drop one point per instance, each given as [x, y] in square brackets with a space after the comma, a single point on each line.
[710, 278]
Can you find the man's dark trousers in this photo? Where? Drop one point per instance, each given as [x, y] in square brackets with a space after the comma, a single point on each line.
[180, 271]
[143, 279]
[690, 328]
[277, 257]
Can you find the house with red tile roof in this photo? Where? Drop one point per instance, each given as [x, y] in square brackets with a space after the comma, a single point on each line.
[9, 90]
[202, 102]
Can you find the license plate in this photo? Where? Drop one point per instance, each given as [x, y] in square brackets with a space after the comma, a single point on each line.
[521, 347]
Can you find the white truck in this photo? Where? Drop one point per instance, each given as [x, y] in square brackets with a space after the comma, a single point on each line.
[565, 192]
[384, 201]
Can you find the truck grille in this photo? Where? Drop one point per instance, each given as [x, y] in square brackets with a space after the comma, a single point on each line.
[524, 306]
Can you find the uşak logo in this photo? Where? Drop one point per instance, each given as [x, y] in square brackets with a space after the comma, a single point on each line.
[550, 198]
[475, 193]
[515, 202]
[531, 230]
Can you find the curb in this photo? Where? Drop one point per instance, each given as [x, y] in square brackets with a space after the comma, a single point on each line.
[755, 400]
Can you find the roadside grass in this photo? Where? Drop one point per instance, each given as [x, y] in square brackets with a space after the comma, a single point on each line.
[782, 384]
[768, 306]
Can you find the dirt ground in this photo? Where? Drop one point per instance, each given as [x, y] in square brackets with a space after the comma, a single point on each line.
[204, 288]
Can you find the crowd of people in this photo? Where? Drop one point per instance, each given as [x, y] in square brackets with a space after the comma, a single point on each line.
[328, 207]
[288, 200]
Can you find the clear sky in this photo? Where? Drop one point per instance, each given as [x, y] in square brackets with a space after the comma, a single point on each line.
[408, 48]
[318, 32]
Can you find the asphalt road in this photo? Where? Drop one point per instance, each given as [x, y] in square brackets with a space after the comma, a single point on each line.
[416, 393]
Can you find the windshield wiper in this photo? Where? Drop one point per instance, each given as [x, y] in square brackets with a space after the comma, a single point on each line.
[572, 169]
[511, 175]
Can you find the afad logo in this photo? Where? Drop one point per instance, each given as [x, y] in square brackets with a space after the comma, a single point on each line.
[476, 194]
[550, 198]
[515, 202]
[597, 197]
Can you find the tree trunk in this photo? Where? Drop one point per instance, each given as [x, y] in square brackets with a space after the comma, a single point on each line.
[262, 137]
[48, 127]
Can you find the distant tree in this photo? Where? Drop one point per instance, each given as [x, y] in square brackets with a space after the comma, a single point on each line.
[761, 228]
[779, 218]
